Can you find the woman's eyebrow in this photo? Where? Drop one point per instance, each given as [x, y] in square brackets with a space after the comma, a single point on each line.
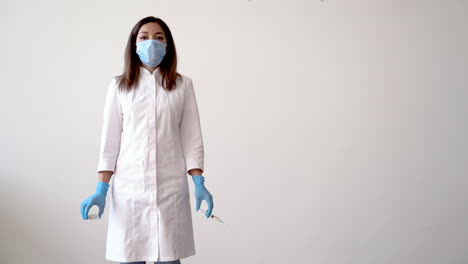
[147, 32]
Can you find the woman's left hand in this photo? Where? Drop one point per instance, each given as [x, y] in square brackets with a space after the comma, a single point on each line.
[201, 193]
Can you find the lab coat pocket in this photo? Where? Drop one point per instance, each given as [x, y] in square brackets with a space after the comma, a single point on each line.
[175, 179]
[129, 177]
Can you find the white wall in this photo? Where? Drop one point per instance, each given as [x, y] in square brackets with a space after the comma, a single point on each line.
[335, 131]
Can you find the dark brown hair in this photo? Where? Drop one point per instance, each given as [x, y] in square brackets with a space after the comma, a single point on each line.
[132, 65]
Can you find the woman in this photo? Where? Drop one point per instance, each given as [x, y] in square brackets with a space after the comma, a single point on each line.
[151, 138]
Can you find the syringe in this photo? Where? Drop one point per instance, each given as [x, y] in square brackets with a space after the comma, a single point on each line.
[213, 216]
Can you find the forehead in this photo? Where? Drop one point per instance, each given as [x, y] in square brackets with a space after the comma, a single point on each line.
[151, 28]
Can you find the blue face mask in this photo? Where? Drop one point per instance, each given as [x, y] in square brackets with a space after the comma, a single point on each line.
[151, 52]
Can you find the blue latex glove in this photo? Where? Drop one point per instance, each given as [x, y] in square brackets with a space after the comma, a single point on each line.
[98, 198]
[201, 193]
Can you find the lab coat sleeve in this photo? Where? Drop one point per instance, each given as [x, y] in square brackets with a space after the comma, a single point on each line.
[111, 130]
[190, 131]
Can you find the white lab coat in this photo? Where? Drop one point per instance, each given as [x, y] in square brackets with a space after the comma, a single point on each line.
[150, 139]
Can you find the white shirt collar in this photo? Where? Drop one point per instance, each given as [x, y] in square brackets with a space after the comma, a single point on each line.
[144, 71]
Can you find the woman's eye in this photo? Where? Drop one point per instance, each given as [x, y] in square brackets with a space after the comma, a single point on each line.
[160, 38]
[142, 37]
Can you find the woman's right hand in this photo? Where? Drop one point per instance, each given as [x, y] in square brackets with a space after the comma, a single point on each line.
[98, 198]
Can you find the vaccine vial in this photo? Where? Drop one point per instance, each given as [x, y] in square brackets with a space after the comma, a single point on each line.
[93, 213]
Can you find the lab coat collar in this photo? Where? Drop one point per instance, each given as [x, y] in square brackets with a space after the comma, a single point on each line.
[145, 72]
